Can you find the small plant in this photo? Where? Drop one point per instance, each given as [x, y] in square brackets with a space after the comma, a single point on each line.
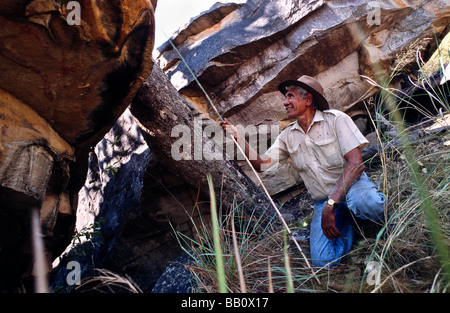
[116, 141]
[112, 169]
[90, 233]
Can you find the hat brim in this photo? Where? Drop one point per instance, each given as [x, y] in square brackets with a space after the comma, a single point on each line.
[322, 103]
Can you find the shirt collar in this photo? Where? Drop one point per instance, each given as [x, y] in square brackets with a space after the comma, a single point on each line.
[318, 117]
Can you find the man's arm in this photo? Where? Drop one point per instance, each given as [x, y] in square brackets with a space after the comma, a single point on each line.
[352, 172]
[251, 154]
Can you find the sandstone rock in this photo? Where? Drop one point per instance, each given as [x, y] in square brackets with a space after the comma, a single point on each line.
[34, 172]
[79, 78]
[29, 150]
[272, 42]
[62, 87]
[139, 202]
[246, 54]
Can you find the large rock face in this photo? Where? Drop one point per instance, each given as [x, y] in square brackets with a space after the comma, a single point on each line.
[137, 203]
[70, 74]
[243, 56]
[64, 82]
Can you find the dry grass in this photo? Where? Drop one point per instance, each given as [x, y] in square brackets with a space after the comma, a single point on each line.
[107, 282]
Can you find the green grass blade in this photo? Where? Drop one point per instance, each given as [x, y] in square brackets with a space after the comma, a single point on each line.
[216, 239]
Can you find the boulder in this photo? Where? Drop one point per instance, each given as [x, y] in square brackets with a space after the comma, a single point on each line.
[242, 58]
[71, 74]
[176, 277]
[67, 73]
[127, 212]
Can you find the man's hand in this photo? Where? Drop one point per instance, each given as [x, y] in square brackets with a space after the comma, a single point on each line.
[352, 173]
[229, 128]
[329, 222]
[251, 154]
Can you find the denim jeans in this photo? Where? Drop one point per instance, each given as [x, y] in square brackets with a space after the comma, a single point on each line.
[364, 201]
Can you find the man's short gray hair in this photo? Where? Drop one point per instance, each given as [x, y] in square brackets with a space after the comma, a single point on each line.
[300, 90]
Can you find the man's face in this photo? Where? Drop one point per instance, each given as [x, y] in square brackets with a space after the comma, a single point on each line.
[294, 103]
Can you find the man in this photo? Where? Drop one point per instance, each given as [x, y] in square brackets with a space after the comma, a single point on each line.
[325, 146]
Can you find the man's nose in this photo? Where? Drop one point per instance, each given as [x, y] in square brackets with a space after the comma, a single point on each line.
[286, 102]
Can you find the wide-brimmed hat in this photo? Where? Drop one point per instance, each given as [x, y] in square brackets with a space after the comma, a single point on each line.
[311, 85]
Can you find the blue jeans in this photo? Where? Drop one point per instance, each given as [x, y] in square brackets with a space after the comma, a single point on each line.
[364, 201]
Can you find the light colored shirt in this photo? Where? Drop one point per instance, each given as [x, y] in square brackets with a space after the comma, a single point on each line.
[319, 153]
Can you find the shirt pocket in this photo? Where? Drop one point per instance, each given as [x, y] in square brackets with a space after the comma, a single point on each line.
[327, 152]
[296, 156]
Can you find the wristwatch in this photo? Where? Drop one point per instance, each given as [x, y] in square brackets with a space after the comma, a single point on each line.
[331, 202]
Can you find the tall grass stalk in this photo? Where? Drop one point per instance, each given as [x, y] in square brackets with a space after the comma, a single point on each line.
[40, 268]
[238, 259]
[216, 237]
[269, 276]
[287, 265]
[259, 245]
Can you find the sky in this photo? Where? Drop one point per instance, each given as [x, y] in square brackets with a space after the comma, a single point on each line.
[171, 14]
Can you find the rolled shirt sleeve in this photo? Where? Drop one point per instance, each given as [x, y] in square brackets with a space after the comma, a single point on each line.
[348, 134]
[278, 151]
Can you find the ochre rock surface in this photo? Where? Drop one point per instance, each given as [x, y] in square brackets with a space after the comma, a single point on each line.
[66, 74]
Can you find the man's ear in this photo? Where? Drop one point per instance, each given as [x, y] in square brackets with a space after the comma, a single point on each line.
[309, 99]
